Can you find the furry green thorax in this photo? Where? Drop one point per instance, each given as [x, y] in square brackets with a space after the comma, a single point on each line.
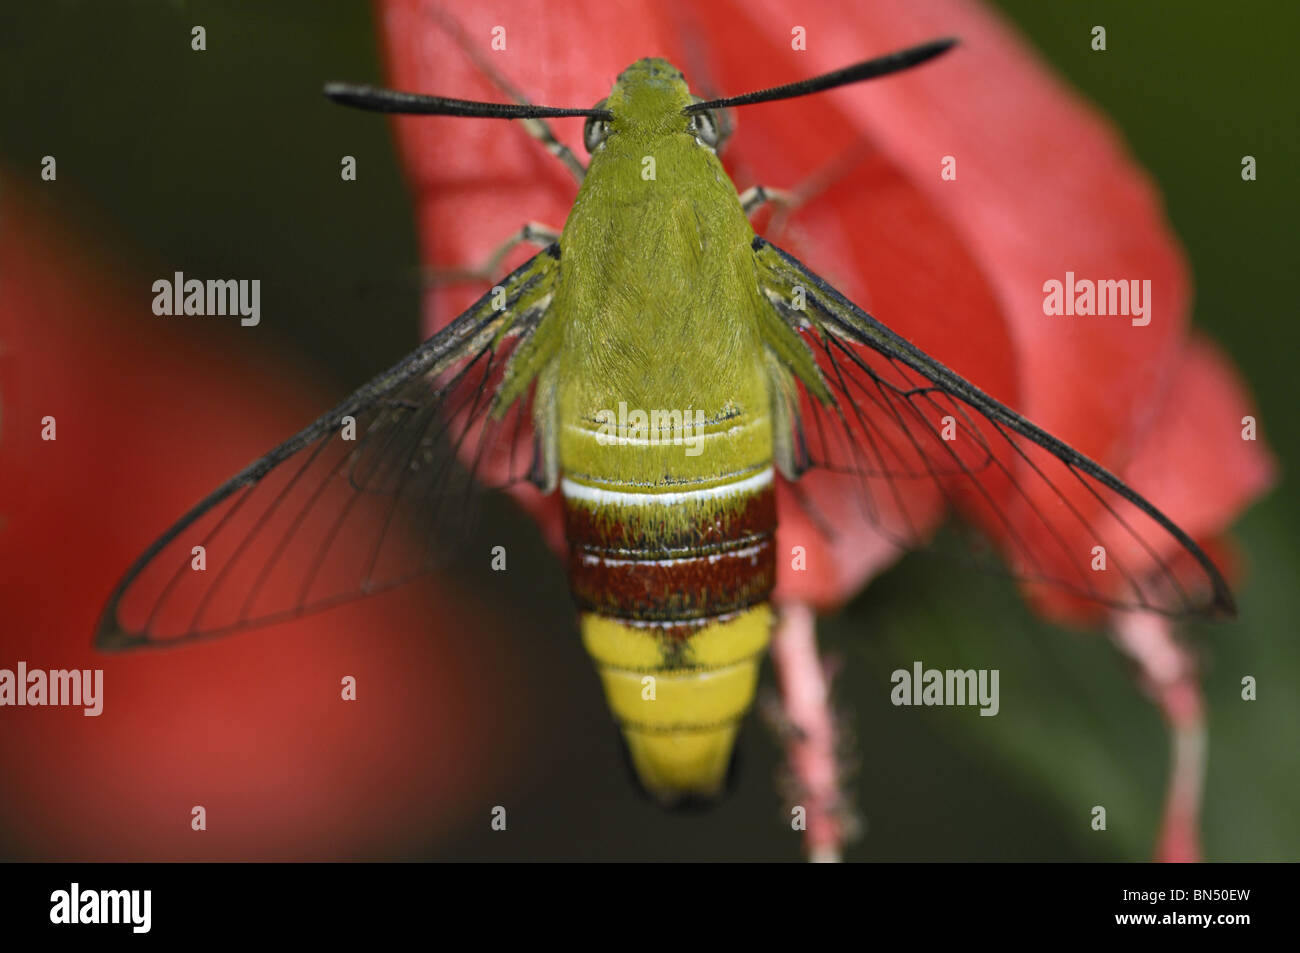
[657, 297]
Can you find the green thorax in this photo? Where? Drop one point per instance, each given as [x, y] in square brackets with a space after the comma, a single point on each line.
[657, 296]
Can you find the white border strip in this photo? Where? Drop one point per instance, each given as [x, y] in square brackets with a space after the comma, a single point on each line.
[593, 494]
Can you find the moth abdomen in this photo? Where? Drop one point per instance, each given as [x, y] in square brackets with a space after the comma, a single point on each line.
[672, 578]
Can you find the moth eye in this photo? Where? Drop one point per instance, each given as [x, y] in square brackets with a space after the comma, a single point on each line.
[704, 126]
[596, 130]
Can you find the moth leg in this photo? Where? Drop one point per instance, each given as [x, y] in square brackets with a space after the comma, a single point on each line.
[542, 132]
[532, 233]
[787, 202]
[537, 128]
[756, 196]
[726, 127]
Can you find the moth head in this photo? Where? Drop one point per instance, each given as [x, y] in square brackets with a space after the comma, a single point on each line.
[649, 98]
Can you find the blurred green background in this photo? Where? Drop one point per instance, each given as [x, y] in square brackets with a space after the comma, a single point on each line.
[228, 164]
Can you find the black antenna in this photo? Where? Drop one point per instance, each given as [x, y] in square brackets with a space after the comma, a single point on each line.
[870, 69]
[392, 101]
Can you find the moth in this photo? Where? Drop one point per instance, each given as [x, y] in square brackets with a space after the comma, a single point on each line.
[661, 367]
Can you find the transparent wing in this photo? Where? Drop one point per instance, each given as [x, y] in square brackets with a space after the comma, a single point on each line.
[356, 502]
[902, 431]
